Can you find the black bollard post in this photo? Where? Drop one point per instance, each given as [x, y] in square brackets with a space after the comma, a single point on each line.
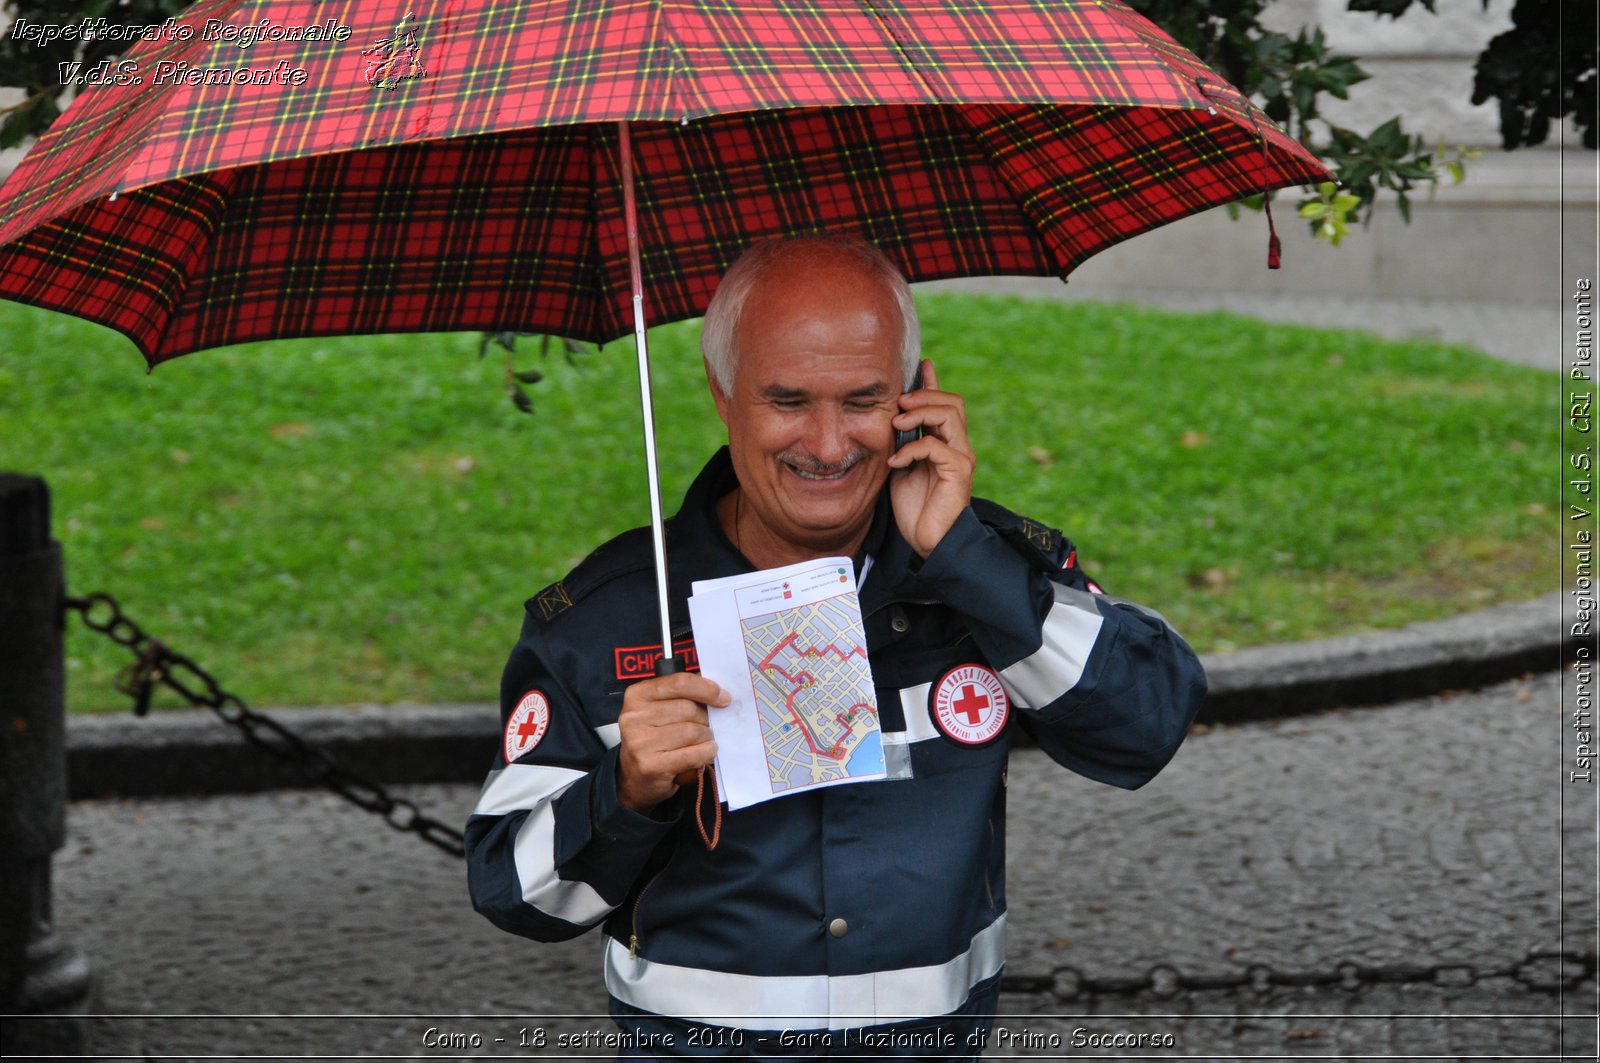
[44, 981]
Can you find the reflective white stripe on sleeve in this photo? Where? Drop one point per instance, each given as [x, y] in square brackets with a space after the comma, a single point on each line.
[914, 707]
[535, 787]
[919, 728]
[755, 1002]
[519, 786]
[1070, 630]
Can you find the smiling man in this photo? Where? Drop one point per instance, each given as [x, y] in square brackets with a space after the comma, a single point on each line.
[849, 920]
[811, 409]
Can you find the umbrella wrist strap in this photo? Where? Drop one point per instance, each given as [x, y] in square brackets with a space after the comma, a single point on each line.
[704, 778]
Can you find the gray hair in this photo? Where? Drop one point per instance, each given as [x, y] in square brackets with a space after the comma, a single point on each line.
[722, 315]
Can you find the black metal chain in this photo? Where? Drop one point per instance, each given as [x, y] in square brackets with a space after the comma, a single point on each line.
[155, 662]
[1543, 970]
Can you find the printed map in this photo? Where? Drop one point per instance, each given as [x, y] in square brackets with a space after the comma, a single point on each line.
[787, 644]
[814, 696]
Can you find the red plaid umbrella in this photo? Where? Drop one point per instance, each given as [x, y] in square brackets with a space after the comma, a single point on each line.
[458, 169]
[274, 168]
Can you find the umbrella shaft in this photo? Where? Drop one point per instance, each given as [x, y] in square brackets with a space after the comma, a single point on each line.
[657, 528]
[646, 402]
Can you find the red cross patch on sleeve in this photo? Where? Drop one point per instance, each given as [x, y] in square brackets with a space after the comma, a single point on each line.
[527, 726]
[968, 705]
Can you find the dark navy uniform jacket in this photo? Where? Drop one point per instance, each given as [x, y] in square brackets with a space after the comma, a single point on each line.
[849, 912]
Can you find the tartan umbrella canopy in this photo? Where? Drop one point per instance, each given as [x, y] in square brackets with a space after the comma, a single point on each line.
[459, 168]
[257, 169]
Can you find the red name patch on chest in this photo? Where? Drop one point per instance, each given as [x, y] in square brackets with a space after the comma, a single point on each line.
[639, 662]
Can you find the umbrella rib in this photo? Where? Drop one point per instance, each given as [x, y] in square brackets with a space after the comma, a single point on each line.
[210, 187]
[980, 137]
[680, 77]
[903, 52]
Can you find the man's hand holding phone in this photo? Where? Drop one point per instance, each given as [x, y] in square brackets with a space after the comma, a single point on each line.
[932, 482]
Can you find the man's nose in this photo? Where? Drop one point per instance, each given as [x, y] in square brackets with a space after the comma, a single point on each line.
[826, 436]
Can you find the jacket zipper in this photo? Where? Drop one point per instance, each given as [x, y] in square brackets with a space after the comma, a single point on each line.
[633, 933]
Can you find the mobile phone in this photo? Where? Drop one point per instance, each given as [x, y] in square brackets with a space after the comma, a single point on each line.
[901, 438]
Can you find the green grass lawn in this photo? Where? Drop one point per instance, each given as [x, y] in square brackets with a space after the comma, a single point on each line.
[359, 519]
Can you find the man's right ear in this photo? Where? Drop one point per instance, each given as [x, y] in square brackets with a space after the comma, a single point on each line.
[718, 396]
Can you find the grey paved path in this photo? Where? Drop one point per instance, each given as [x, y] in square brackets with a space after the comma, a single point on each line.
[1424, 832]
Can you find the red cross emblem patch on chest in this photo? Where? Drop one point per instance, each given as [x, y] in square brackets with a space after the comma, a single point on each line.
[969, 705]
[527, 725]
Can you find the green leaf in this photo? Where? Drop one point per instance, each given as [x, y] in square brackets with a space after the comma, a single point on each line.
[1358, 175]
[1271, 48]
[507, 340]
[1387, 139]
[1305, 100]
[14, 130]
[1342, 72]
[30, 119]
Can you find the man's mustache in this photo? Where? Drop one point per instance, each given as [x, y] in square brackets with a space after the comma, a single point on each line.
[810, 464]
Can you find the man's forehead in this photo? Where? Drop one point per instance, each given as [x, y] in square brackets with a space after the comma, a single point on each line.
[806, 386]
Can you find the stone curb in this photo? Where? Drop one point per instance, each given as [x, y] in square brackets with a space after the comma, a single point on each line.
[1381, 667]
[192, 752]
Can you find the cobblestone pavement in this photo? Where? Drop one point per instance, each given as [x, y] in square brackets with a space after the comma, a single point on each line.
[1427, 832]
